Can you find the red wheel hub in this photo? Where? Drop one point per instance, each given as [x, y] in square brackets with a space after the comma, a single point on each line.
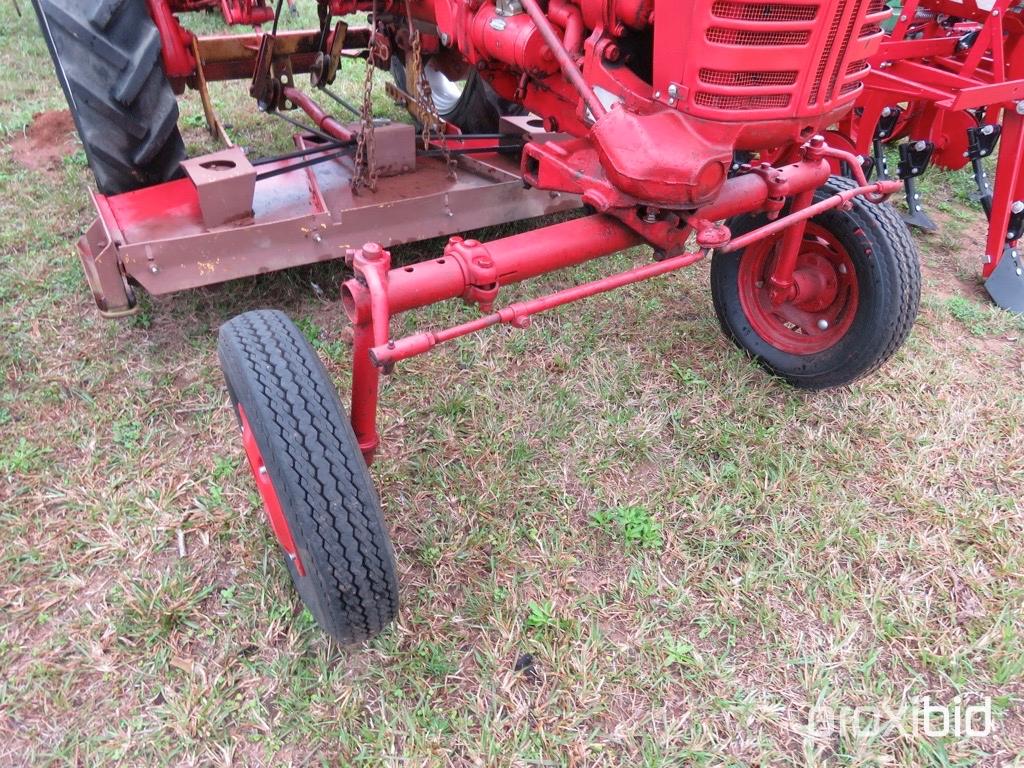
[823, 305]
[272, 505]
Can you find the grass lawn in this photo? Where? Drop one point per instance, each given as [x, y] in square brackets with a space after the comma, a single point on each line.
[619, 541]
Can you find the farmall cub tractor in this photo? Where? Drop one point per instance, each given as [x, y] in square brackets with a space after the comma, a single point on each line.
[654, 116]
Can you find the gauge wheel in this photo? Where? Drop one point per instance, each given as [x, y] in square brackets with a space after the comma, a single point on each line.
[313, 482]
[858, 289]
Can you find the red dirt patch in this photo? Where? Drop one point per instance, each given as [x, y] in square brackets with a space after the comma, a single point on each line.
[46, 142]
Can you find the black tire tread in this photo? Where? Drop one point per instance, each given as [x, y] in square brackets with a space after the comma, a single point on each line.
[107, 56]
[314, 461]
[908, 269]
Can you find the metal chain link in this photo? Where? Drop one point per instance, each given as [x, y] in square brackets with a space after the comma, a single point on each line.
[365, 172]
[425, 101]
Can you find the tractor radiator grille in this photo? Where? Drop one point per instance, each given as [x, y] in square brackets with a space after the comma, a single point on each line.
[724, 9]
[859, 67]
[747, 79]
[849, 33]
[819, 74]
[746, 37]
[752, 101]
[752, 61]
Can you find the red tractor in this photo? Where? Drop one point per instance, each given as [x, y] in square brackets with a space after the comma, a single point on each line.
[654, 116]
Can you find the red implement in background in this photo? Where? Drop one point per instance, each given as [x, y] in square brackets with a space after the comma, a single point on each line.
[949, 79]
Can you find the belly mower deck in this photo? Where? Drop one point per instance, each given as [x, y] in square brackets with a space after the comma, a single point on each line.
[231, 217]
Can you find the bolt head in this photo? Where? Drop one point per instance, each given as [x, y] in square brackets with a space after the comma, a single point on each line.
[823, 324]
[1020, 107]
[1018, 206]
[372, 251]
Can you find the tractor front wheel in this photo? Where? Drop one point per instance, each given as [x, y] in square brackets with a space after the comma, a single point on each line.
[860, 286]
[314, 484]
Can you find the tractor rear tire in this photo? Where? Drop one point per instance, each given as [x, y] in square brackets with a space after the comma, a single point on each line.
[107, 57]
[341, 559]
[868, 266]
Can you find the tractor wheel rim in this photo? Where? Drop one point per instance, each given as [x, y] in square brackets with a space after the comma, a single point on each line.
[268, 494]
[445, 93]
[825, 306]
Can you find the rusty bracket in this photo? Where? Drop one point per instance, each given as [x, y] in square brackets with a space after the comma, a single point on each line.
[213, 123]
[264, 88]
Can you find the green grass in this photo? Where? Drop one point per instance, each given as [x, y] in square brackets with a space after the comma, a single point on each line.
[619, 542]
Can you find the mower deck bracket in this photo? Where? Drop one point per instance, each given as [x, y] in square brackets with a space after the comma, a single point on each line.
[225, 184]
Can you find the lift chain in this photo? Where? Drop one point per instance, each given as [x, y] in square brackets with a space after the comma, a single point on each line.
[365, 172]
[425, 99]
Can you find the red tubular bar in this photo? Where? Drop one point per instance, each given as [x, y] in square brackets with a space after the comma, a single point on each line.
[518, 314]
[176, 42]
[515, 259]
[324, 121]
[1009, 188]
[509, 260]
[844, 197]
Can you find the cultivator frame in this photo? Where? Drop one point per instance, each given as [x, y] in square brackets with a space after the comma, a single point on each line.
[949, 79]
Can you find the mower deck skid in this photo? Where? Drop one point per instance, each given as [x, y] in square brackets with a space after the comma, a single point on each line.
[225, 221]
